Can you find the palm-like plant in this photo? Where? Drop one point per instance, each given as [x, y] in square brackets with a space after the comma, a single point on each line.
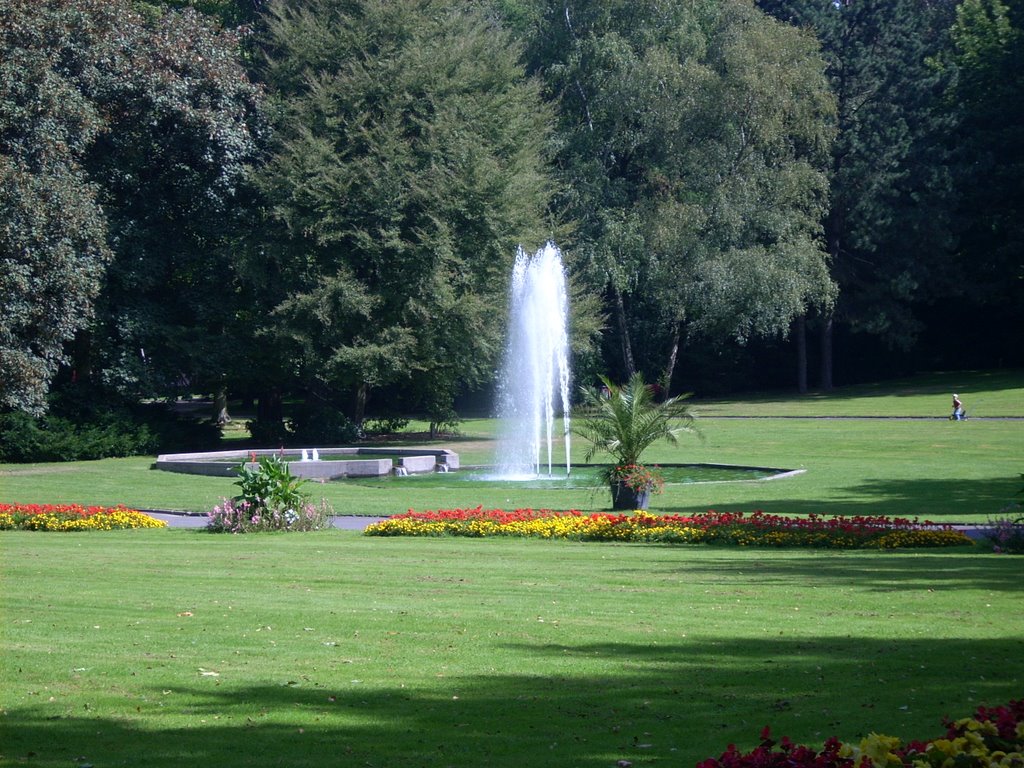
[626, 420]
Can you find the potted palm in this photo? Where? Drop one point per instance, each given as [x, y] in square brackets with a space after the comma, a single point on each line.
[624, 421]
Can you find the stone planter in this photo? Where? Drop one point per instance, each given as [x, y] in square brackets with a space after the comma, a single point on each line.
[625, 498]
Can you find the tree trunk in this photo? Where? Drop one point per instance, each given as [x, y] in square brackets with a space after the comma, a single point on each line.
[627, 347]
[673, 356]
[269, 407]
[220, 406]
[81, 362]
[362, 395]
[826, 353]
[800, 336]
[834, 226]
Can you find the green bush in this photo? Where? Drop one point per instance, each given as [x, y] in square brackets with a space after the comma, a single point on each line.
[269, 483]
[270, 499]
[55, 438]
[384, 425]
[84, 423]
[322, 425]
[268, 433]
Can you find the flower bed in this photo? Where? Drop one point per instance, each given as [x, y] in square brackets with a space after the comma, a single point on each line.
[72, 517]
[233, 516]
[992, 738]
[730, 528]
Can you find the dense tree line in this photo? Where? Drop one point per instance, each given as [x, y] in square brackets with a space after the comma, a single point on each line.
[322, 199]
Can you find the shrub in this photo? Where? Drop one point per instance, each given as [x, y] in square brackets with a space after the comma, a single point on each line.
[322, 425]
[85, 422]
[271, 499]
[265, 432]
[1005, 534]
[174, 433]
[384, 425]
[269, 483]
[233, 516]
[24, 438]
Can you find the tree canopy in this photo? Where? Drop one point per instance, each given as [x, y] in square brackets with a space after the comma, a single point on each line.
[988, 165]
[887, 225]
[408, 165]
[123, 145]
[53, 235]
[693, 140]
[322, 199]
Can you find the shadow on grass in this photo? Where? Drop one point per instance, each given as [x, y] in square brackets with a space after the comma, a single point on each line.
[665, 701]
[923, 571]
[940, 383]
[949, 381]
[924, 499]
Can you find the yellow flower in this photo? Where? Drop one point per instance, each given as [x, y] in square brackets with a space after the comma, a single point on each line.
[879, 750]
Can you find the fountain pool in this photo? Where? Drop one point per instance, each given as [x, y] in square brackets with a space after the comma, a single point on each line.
[585, 476]
[330, 464]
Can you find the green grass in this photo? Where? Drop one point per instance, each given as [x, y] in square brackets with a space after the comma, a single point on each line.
[926, 467]
[180, 648]
[985, 394]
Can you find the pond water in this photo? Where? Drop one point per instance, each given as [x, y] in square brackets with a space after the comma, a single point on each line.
[581, 476]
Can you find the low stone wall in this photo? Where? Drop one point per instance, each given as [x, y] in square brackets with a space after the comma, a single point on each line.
[414, 464]
[333, 463]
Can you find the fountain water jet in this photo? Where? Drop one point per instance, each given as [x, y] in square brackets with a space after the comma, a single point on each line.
[536, 368]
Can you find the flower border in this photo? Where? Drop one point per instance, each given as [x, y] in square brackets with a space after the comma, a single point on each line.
[73, 517]
[992, 738]
[758, 529]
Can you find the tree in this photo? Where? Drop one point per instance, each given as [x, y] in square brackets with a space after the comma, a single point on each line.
[123, 144]
[53, 244]
[407, 168]
[988, 95]
[230, 13]
[625, 421]
[692, 146]
[888, 224]
[185, 122]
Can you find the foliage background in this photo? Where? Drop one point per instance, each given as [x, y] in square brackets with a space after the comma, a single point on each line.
[311, 208]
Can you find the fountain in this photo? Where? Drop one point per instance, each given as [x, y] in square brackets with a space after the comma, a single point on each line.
[534, 385]
[536, 368]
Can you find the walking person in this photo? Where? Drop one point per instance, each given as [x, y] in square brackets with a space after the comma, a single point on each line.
[958, 409]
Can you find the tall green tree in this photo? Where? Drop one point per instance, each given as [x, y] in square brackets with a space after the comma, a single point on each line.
[184, 124]
[888, 222]
[53, 238]
[988, 95]
[407, 167]
[692, 144]
[123, 146]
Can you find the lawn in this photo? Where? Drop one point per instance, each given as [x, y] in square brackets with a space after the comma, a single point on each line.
[854, 462]
[181, 648]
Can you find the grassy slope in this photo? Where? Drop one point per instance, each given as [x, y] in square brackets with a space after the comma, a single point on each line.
[926, 467]
[178, 648]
